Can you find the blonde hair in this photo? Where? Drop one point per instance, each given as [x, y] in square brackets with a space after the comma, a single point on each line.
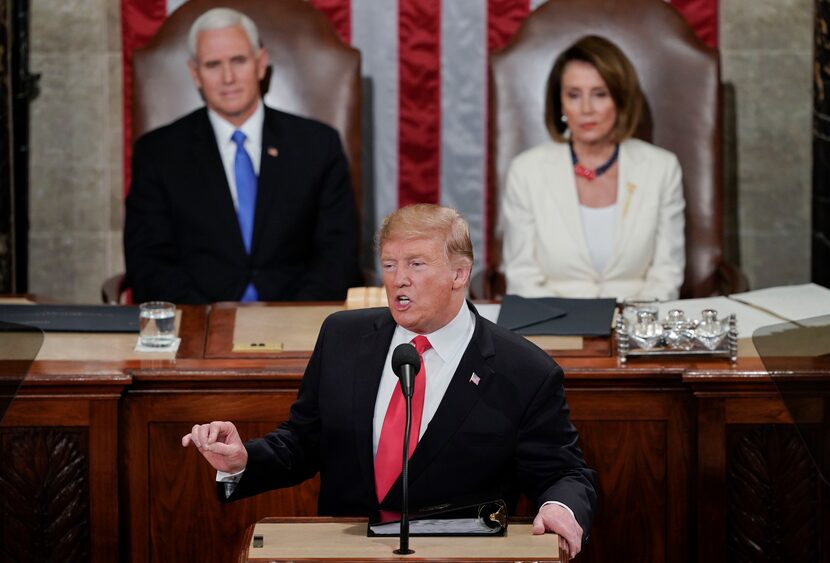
[425, 220]
[616, 71]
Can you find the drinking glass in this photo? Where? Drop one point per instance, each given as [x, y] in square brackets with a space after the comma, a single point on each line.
[157, 323]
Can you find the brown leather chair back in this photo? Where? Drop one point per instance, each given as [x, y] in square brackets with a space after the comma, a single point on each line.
[680, 78]
[313, 73]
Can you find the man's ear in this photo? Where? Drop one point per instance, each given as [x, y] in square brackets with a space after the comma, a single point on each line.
[461, 275]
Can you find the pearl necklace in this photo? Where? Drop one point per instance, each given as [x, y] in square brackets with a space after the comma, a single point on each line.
[589, 174]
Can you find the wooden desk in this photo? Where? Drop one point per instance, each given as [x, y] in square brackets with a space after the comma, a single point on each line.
[682, 449]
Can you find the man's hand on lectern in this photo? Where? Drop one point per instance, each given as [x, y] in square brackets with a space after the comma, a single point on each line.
[554, 518]
[220, 444]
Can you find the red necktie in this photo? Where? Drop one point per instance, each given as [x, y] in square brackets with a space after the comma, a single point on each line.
[389, 457]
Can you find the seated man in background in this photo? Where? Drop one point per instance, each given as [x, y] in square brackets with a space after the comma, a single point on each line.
[237, 201]
[489, 419]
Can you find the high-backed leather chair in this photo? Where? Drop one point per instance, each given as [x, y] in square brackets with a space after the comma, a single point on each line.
[680, 78]
[313, 74]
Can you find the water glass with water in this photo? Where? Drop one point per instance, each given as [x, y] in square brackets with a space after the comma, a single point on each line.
[157, 323]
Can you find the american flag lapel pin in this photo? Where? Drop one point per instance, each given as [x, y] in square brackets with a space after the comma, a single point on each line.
[474, 379]
[272, 151]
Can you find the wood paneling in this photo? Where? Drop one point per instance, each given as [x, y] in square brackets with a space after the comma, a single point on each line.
[680, 448]
[59, 473]
[166, 481]
[44, 477]
[772, 503]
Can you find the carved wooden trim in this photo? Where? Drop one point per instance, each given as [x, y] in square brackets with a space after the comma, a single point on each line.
[772, 502]
[44, 505]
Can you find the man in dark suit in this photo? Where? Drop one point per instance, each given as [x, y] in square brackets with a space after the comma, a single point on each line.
[494, 420]
[237, 201]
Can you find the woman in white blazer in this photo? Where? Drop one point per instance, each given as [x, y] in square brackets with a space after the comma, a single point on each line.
[594, 213]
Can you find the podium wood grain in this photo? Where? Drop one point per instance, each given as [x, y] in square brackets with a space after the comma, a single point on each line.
[338, 539]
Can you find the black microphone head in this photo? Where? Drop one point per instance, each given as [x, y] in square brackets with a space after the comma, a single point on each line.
[405, 354]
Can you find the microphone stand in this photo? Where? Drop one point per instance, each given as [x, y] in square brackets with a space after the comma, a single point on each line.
[407, 392]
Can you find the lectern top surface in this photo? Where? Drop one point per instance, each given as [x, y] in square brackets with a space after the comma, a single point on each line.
[330, 541]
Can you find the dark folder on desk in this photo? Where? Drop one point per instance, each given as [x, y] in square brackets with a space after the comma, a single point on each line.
[557, 316]
[460, 518]
[73, 318]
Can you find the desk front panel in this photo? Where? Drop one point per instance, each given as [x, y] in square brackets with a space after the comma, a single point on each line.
[669, 440]
[174, 513]
[59, 470]
[639, 436]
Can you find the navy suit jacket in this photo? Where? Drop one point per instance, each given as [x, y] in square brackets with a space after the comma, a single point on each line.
[181, 236]
[509, 433]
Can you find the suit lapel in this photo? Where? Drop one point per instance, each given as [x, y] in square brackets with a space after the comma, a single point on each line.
[271, 166]
[629, 198]
[372, 353]
[215, 183]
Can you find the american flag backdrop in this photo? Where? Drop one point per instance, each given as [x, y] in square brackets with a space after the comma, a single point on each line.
[427, 63]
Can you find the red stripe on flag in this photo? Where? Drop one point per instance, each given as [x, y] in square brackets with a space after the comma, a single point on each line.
[339, 13]
[140, 19]
[419, 103]
[503, 19]
[702, 16]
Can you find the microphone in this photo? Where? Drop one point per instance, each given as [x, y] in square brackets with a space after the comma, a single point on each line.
[406, 363]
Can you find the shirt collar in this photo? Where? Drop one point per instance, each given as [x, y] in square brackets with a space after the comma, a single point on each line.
[223, 129]
[447, 339]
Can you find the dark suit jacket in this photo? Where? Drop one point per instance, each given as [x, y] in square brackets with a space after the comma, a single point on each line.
[181, 236]
[510, 433]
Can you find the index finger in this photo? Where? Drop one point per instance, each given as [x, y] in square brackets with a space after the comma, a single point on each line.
[214, 430]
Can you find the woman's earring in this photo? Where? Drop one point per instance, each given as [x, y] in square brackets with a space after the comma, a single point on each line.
[564, 118]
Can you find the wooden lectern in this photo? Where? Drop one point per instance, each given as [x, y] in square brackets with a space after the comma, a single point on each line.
[344, 539]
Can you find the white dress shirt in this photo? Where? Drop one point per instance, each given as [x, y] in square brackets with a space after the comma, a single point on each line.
[252, 128]
[440, 363]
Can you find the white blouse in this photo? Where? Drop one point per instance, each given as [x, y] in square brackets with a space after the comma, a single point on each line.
[599, 223]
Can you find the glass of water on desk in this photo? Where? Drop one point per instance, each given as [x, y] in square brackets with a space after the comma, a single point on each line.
[157, 323]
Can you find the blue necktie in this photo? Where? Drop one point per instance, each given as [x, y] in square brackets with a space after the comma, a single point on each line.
[246, 182]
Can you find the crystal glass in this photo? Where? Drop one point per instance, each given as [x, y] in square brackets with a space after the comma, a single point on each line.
[631, 307]
[647, 332]
[157, 323]
[710, 331]
[678, 331]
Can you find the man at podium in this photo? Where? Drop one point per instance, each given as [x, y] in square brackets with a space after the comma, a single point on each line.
[489, 411]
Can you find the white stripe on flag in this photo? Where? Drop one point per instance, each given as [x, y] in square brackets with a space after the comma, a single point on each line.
[463, 113]
[375, 34]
